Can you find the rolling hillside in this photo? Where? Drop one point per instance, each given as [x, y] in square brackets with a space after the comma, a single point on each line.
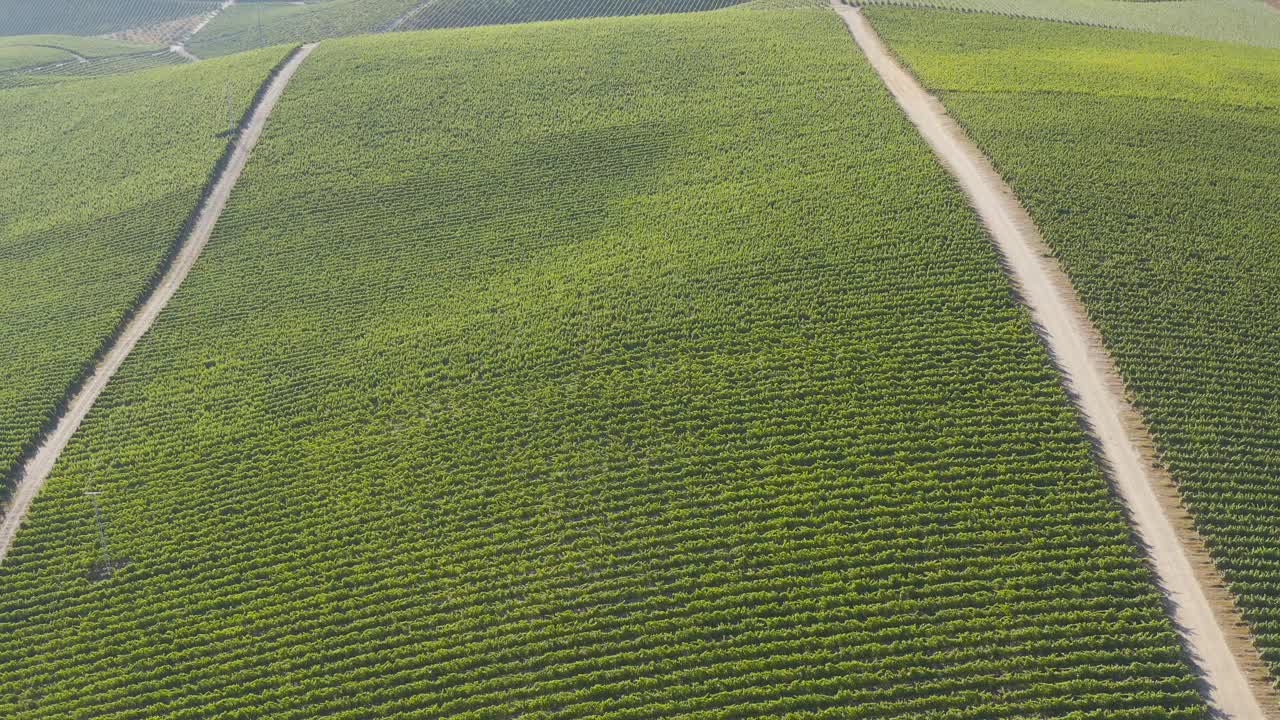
[1242, 21]
[81, 17]
[100, 178]
[640, 368]
[249, 25]
[465, 13]
[1151, 165]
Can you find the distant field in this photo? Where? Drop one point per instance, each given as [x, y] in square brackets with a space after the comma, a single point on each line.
[13, 57]
[69, 70]
[617, 368]
[260, 24]
[27, 51]
[1151, 164]
[464, 13]
[85, 17]
[1243, 21]
[87, 46]
[99, 178]
[41, 59]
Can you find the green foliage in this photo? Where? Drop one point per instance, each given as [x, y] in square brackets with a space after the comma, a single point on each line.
[98, 67]
[260, 24]
[639, 368]
[465, 13]
[99, 178]
[89, 47]
[92, 17]
[1242, 21]
[21, 56]
[46, 59]
[1151, 164]
[27, 51]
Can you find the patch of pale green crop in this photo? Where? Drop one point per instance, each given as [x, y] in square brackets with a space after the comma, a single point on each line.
[1250, 22]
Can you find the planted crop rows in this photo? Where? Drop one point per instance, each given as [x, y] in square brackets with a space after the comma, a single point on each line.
[100, 178]
[81, 17]
[71, 69]
[466, 13]
[1242, 21]
[1150, 164]
[261, 24]
[615, 368]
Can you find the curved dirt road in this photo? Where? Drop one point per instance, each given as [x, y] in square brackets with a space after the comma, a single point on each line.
[35, 470]
[1233, 678]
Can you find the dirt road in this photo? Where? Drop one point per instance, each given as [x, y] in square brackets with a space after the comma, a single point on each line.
[417, 10]
[1234, 680]
[35, 470]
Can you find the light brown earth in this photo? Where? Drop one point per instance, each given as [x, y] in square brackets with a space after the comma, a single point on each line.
[165, 33]
[1234, 679]
[35, 470]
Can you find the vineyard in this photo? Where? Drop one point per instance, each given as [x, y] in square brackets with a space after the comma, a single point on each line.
[261, 24]
[1151, 166]
[30, 51]
[83, 230]
[465, 13]
[1241, 21]
[642, 367]
[85, 17]
[46, 59]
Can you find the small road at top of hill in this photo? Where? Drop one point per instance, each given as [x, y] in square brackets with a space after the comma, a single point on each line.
[1233, 678]
[35, 470]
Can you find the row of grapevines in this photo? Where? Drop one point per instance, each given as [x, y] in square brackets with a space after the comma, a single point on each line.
[622, 368]
[71, 69]
[33, 51]
[1242, 21]
[261, 24]
[92, 17]
[1151, 165]
[100, 177]
[466, 13]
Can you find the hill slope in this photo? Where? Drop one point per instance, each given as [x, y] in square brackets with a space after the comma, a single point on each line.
[82, 229]
[1151, 166]
[1243, 21]
[85, 17]
[465, 13]
[613, 368]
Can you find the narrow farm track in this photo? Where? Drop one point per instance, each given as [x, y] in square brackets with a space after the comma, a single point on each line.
[33, 473]
[418, 9]
[1234, 680]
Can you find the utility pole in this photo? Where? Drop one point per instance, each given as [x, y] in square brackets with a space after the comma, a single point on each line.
[107, 568]
[231, 120]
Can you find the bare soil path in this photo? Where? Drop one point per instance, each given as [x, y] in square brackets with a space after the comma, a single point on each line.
[35, 470]
[418, 9]
[1233, 678]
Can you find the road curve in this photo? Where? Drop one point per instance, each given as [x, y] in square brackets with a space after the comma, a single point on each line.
[35, 470]
[1233, 678]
